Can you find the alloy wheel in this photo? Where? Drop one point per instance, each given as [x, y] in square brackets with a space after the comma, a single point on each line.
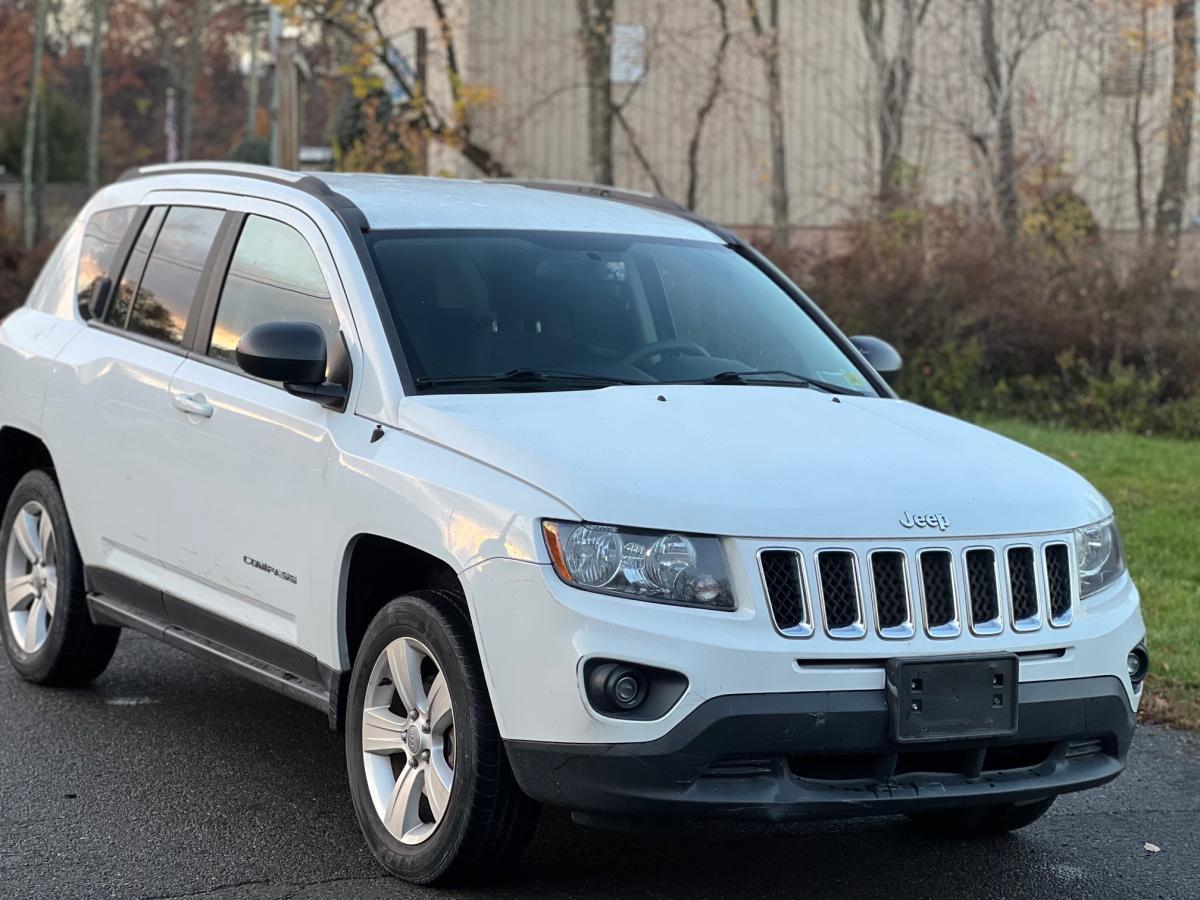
[30, 577]
[408, 740]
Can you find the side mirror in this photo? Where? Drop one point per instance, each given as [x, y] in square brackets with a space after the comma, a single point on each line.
[882, 356]
[293, 353]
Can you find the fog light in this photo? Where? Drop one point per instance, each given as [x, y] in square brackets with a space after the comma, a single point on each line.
[1138, 664]
[616, 687]
[626, 690]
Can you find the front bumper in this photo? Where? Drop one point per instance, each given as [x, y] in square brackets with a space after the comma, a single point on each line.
[782, 756]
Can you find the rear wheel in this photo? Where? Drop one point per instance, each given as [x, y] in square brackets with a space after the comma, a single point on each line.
[431, 784]
[48, 632]
[978, 821]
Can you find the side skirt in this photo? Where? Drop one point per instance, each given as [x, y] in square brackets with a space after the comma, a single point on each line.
[169, 625]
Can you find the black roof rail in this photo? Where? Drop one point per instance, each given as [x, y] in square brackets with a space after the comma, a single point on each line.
[342, 206]
[623, 195]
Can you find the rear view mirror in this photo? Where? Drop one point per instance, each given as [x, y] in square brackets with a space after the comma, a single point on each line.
[293, 353]
[882, 356]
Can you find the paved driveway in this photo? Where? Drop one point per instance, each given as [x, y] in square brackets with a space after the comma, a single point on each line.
[170, 778]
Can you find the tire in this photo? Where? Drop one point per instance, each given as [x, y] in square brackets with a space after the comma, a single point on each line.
[487, 822]
[980, 821]
[68, 649]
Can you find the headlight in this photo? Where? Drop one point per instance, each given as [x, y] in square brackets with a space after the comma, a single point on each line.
[664, 567]
[1099, 556]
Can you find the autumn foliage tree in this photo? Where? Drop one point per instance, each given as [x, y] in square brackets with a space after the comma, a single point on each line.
[361, 22]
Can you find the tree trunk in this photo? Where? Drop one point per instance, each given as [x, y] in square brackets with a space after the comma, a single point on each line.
[769, 39]
[893, 84]
[715, 87]
[252, 86]
[42, 168]
[201, 12]
[1135, 125]
[29, 215]
[1172, 194]
[595, 38]
[95, 93]
[999, 89]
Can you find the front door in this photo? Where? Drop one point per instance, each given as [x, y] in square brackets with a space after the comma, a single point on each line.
[245, 462]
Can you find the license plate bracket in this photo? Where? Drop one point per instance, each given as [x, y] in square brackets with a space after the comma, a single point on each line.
[952, 698]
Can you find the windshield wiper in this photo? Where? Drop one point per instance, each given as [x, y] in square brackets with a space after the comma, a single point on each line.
[524, 376]
[776, 378]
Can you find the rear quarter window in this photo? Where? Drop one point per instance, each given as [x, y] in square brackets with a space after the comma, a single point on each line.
[102, 238]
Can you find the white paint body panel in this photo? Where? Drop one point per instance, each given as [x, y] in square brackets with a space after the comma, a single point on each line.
[177, 502]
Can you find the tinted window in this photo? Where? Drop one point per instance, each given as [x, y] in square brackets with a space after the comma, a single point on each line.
[118, 306]
[101, 238]
[168, 286]
[273, 277]
[611, 306]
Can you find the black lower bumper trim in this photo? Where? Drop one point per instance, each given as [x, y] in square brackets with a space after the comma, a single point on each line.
[773, 757]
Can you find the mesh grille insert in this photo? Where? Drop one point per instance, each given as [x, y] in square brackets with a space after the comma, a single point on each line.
[981, 586]
[937, 584]
[785, 589]
[1058, 580]
[838, 588]
[891, 592]
[1021, 583]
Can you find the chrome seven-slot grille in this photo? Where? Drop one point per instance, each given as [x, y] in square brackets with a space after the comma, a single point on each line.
[986, 589]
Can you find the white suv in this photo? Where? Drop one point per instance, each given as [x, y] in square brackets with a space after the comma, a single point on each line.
[544, 493]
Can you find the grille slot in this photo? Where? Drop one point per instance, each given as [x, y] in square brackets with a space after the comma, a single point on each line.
[839, 593]
[1058, 583]
[983, 593]
[1022, 587]
[783, 580]
[937, 587]
[890, 587]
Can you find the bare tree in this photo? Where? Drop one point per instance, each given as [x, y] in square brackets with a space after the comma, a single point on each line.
[361, 22]
[768, 39]
[893, 81]
[1172, 193]
[29, 214]
[1136, 137]
[1004, 43]
[716, 87]
[595, 39]
[95, 92]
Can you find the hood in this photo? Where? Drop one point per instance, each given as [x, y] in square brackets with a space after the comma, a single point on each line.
[759, 461]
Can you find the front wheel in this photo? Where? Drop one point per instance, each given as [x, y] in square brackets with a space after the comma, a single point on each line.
[431, 784]
[978, 821]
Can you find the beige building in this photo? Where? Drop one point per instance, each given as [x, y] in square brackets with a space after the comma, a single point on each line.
[1075, 96]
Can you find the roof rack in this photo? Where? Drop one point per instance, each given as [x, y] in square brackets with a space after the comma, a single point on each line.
[345, 208]
[622, 195]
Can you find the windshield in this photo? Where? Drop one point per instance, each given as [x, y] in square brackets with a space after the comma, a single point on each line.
[543, 310]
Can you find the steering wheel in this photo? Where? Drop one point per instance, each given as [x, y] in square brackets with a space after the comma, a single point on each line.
[661, 348]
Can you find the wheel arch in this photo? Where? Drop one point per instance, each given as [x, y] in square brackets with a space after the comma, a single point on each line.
[20, 452]
[375, 570]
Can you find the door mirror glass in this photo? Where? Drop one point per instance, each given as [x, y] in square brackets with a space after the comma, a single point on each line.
[882, 356]
[293, 353]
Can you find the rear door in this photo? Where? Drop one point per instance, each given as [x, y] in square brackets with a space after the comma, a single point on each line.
[107, 398]
[246, 463]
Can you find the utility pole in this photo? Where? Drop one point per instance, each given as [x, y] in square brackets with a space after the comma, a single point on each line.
[286, 151]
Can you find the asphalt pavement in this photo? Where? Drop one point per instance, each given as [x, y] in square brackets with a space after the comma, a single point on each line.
[171, 778]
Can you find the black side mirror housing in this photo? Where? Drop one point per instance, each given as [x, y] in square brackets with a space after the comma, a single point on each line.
[883, 357]
[293, 353]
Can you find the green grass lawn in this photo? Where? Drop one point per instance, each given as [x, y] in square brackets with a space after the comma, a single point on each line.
[1154, 485]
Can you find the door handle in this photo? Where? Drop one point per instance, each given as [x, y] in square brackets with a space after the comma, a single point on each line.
[193, 405]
